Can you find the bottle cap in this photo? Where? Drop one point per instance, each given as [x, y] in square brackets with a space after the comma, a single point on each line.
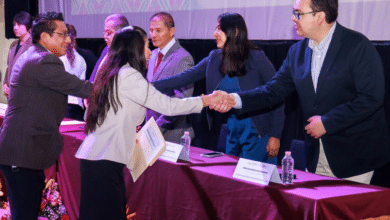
[187, 133]
[288, 153]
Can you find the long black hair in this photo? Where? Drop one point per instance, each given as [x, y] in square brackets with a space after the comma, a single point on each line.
[235, 51]
[127, 46]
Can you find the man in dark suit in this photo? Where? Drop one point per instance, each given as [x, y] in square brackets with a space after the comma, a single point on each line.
[112, 24]
[30, 140]
[339, 78]
[169, 59]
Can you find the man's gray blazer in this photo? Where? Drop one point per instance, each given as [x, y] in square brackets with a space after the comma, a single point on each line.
[174, 62]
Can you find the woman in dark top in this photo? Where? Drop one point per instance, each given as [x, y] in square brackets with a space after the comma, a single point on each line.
[237, 65]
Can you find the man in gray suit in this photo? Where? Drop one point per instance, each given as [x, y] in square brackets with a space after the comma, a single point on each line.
[169, 59]
[30, 140]
[112, 24]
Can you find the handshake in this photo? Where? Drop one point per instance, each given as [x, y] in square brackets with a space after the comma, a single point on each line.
[219, 101]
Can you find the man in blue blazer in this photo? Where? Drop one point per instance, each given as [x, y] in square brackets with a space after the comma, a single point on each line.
[339, 78]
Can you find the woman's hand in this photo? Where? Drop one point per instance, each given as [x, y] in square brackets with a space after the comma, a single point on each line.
[273, 147]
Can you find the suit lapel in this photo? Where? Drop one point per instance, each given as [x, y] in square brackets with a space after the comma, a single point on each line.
[165, 60]
[307, 79]
[330, 57]
[22, 49]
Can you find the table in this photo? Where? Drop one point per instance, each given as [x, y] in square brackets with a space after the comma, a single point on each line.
[205, 189]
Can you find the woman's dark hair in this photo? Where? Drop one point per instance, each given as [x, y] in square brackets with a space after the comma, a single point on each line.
[127, 46]
[24, 18]
[70, 49]
[235, 51]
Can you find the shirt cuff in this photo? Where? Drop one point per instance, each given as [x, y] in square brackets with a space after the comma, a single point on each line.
[238, 101]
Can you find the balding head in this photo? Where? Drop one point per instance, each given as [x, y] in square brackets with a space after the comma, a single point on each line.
[112, 24]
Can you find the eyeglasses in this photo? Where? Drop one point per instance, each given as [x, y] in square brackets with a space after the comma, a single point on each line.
[64, 35]
[298, 14]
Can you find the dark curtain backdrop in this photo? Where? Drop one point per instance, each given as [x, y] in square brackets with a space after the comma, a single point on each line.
[276, 50]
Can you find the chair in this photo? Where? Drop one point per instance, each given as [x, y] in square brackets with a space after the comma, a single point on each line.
[222, 139]
[299, 154]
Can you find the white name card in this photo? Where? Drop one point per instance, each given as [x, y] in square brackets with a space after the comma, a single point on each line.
[256, 172]
[172, 152]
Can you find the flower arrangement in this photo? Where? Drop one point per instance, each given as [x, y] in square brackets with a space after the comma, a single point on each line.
[51, 206]
[6, 212]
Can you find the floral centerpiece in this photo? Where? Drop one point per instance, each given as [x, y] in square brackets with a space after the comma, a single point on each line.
[51, 206]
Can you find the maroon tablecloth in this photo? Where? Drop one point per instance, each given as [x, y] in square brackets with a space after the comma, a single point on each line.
[205, 189]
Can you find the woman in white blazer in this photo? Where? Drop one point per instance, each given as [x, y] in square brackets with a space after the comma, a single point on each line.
[117, 105]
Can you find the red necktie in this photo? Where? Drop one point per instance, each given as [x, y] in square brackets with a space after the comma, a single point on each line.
[159, 58]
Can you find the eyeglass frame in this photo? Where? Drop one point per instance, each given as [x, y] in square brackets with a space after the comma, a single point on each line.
[64, 35]
[299, 14]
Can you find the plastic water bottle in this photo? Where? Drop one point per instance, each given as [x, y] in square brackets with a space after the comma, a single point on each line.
[186, 142]
[287, 168]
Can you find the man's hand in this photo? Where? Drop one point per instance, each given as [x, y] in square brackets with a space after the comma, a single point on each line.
[273, 147]
[315, 127]
[223, 101]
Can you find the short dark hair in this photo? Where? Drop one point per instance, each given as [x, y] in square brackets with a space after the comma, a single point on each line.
[166, 17]
[330, 7]
[24, 18]
[45, 23]
[120, 21]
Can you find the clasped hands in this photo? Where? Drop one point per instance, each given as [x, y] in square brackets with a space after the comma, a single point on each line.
[219, 101]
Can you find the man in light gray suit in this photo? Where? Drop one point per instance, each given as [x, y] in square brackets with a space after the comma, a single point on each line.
[169, 59]
[30, 140]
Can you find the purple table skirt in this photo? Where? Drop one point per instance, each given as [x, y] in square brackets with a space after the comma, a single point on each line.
[205, 189]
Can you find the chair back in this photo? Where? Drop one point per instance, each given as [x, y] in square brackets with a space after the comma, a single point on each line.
[299, 154]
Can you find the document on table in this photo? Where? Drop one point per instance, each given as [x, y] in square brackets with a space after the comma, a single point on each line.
[172, 152]
[149, 146]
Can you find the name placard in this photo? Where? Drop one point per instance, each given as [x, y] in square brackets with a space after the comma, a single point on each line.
[172, 152]
[256, 172]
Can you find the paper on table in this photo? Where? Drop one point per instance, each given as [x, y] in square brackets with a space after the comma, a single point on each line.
[256, 172]
[172, 152]
[149, 147]
[73, 122]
